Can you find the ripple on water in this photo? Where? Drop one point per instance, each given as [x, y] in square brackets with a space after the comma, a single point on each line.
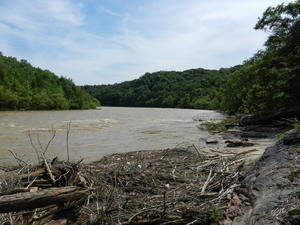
[77, 125]
[95, 133]
[151, 132]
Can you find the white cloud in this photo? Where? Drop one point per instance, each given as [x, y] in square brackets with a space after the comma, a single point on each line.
[65, 11]
[158, 35]
[110, 12]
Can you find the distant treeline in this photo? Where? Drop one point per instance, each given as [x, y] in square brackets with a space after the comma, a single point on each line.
[23, 86]
[270, 80]
[195, 88]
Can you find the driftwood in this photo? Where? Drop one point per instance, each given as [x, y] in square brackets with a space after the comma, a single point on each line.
[33, 200]
[39, 194]
[36, 173]
[51, 192]
[173, 186]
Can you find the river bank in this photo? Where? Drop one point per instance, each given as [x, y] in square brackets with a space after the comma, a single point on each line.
[218, 182]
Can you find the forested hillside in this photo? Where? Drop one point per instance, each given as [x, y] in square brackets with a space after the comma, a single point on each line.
[195, 88]
[25, 87]
[269, 81]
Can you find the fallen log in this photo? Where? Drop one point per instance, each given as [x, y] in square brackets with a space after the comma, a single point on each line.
[18, 190]
[68, 211]
[37, 173]
[32, 200]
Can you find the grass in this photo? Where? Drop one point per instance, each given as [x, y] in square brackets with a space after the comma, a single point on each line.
[294, 212]
[216, 216]
[297, 126]
[220, 126]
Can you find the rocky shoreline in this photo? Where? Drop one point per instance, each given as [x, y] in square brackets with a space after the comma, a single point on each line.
[273, 184]
[270, 179]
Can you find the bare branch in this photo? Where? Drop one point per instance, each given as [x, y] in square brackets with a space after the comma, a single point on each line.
[197, 150]
[51, 139]
[38, 139]
[68, 134]
[208, 180]
[31, 183]
[35, 149]
[49, 171]
[19, 161]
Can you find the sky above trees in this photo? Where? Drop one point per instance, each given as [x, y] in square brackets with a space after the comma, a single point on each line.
[108, 41]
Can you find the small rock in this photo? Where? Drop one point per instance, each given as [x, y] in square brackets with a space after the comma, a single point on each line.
[226, 222]
[94, 219]
[292, 138]
[253, 134]
[238, 143]
[211, 141]
[198, 118]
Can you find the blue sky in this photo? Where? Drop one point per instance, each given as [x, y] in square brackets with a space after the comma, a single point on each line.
[108, 41]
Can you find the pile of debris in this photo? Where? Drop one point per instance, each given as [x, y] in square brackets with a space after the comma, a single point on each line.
[172, 186]
[52, 191]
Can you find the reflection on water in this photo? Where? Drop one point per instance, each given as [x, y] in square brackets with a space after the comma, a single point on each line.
[95, 133]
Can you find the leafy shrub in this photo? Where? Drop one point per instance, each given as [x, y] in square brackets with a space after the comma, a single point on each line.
[216, 216]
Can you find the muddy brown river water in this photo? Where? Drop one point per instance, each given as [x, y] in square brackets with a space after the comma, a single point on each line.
[95, 133]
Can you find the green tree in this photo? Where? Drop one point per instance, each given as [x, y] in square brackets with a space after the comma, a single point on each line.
[270, 80]
[26, 87]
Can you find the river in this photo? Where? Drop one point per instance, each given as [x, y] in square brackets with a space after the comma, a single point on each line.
[95, 133]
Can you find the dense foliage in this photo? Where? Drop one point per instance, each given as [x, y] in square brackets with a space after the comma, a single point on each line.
[271, 79]
[25, 87]
[196, 88]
